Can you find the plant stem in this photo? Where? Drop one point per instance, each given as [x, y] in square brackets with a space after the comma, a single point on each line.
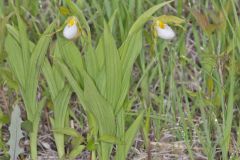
[33, 145]
[59, 140]
[33, 138]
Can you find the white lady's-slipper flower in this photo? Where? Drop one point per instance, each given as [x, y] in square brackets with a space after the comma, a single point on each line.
[164, 31]
[71, 29]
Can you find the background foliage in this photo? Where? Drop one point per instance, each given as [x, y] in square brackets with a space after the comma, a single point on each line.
[116, 91]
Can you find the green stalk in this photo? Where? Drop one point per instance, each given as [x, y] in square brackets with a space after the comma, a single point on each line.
[33, 134]
[59, 138]
[229, 117]
[33, 138]
[33, 143]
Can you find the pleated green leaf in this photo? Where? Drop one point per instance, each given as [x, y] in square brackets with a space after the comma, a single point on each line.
[49, 75]
[73, 83]
[72, 57]
[129, 51]
[112, 67]
[26, 68]
[132, 131]
[60, 113]
[15, 59]
[103, 113]
[76, 151]
[36, 62]
[15, 33]
[23, 41]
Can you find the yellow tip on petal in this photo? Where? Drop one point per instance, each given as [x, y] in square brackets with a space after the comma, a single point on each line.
[161, 25]
[71, 21]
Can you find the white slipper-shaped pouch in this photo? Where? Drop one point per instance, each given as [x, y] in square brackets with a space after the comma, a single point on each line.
[164, 31]
[71, 29]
